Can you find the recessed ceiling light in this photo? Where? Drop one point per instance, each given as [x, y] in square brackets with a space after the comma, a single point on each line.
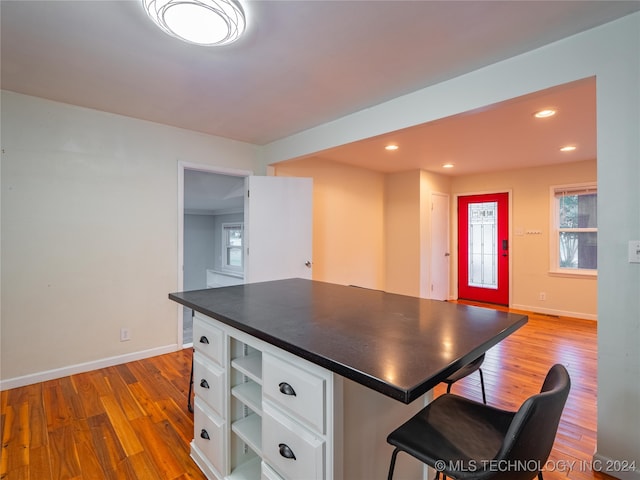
[447, 165]
[568, 148]
[391, 147]
[546, 113]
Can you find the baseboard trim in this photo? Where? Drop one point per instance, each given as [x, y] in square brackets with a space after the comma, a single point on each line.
[615, 468]
[84, 367]
[559, 313]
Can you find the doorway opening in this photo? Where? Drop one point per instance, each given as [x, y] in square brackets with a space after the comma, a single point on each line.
[210, 233]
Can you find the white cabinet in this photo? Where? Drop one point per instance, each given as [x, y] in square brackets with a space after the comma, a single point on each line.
[209, 435]
[268, 473]
[208, 339]
[298, 392]
[260, 412]
[245, 394]
[208, 448]
[292, 450]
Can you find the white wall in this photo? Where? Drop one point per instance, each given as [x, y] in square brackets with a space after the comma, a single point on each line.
[348, 221]
[402, 240]
[611, 53]
[530, 254]
[89, 234]
[203, 246]
[199, 250]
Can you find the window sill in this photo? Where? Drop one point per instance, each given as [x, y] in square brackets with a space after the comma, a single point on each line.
[230, 273]
[574, 273]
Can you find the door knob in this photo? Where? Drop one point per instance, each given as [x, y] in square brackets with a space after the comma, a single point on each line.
[308, 264]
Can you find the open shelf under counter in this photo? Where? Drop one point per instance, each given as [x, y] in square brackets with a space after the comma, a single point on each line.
[250, 365]
[250, 394]
[249, 429]
[247, 471]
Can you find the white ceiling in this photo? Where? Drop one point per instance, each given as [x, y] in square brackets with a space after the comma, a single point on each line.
[496, 137]
[301, 64]
[207, 193]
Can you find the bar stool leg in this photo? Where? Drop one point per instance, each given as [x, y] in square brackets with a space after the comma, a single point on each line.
[392, 465]
[484, 396]
[189, 405]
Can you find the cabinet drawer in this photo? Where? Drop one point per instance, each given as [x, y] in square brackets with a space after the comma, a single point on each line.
[294, 452]
[209, 382]
[209, 435]
[297, 391]
[208, 339]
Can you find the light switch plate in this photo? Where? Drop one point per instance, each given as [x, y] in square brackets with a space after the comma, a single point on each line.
[634, 251]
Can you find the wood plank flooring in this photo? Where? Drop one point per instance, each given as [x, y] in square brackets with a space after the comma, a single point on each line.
[130, 421]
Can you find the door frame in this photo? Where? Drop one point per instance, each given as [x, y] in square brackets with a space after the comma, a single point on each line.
[454, 235]
[182, 166]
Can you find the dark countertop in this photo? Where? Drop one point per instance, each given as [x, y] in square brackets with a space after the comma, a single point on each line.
[398, 345]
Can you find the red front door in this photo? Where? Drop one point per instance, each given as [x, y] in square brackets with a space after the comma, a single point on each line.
[483, 248]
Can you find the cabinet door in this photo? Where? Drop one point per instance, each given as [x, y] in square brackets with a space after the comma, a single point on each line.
[278, 228]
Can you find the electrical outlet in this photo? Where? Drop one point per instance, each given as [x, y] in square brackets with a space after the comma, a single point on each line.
[542, 296]
[125, 334]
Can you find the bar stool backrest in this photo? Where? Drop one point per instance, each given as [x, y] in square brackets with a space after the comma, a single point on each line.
[532, 432]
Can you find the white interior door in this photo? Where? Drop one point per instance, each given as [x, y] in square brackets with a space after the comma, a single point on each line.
[278, 228]
[440, 254]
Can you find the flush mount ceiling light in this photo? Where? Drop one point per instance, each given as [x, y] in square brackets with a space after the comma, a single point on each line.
[391, 147]
[201, 22]
[447, 165]
[568, 148]
[546, 113]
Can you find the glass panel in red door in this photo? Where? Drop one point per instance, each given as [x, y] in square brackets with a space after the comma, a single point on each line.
[483, 248]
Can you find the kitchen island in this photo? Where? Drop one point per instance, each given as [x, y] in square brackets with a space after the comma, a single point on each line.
[320, 373]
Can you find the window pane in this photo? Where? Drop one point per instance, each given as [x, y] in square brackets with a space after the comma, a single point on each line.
[578, 250]
[483, 250]
[578, 211]
[234, 237]
[234, 257]
[232, 249]
[587, 217]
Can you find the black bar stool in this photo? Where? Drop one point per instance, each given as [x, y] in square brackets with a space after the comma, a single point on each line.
[463, 439]
[468, 370]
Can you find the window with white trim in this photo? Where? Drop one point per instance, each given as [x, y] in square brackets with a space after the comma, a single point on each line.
[232, 247]
[574, 236]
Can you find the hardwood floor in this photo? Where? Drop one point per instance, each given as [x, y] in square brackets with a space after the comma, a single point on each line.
[130, 421]
[124, 422]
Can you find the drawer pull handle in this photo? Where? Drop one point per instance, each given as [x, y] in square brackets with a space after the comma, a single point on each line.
[204, 434]
[204, 339]
[287, 389]
[204, 383]
[286, 452]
